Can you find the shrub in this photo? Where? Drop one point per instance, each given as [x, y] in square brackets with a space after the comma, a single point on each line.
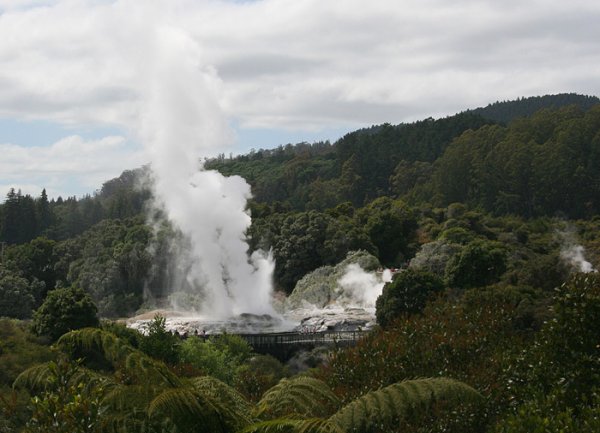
[480, 263]
[160, 343]
[208, 357]
[407, 293]
[65, 309]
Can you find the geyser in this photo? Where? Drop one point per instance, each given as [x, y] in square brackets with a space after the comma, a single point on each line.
[181, 121]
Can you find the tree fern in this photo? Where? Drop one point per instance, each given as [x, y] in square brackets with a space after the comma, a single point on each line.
[130, 397]
[226, 396]
[292, 425]
[191, 411]
[302, 395]
[150, 371]
[120, 354]
[46, 376]
[375, 410]
[130, 423]
[394, 402]
[114, 349]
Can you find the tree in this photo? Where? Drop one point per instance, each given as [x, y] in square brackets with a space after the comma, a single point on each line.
[391, 225]
[566, 356]
[160, 343]
[10, 218]
[64, 309]
[208, 358]
[16, 297]
[44, 215]
[407, 293]
[36, 260]
[480, 263]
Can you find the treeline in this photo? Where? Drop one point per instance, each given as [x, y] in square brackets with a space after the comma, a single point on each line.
[547, 164]
[357, 168]
[379, 189]
[539, 165]
[506, 111]
[23, 217]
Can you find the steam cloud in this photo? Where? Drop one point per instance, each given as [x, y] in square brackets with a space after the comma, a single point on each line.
[361, 288]
[180, 121]
[573, 253]
[575, 256]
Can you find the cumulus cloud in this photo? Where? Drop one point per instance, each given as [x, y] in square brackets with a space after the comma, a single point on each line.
[302, 64]
[67, 162]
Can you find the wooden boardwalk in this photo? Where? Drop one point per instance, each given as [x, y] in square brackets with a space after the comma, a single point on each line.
[283, 345]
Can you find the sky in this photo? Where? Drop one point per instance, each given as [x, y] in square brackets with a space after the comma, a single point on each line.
[74, 73]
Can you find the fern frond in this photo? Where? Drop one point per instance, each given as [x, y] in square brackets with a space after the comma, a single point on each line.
[394, 402]
[34, 378]
[186, 408]
[114, 349]
[43, 377]
[130, 397]
[292, 425]
[120, 354]
[134, 423]
[226, 396]
[302, 395]
[149, 370]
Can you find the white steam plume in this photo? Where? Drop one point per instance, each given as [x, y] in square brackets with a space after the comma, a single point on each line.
[573, 253]
[361, 288]
[181, 121]
[575, 257]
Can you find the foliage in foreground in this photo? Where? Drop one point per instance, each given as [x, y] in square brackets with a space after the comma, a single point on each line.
[143, 395]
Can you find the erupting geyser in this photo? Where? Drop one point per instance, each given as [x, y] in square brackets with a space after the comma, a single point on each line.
[180, 122]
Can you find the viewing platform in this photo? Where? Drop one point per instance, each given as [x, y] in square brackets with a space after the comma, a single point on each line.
[283, 345]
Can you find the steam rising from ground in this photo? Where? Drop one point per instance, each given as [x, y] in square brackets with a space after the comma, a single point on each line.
[360, 288]
[181, 122]
[344, 302]
[575, 257]
[573, 253]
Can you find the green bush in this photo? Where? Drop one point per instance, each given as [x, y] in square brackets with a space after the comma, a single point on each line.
[18, 350]
[209, 358]
[235, 346]
[160, 343]
[16, 299]
[542, 415]
[406, 294]
[565, 359]
[480, 263]
[260, 373]
[65, 309]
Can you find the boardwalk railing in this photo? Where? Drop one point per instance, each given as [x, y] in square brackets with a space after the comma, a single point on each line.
[284, 344]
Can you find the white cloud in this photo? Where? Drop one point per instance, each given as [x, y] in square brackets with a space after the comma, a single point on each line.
[297, 63]
[67, 165]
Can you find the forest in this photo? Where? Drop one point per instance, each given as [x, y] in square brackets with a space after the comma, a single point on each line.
[491, 214]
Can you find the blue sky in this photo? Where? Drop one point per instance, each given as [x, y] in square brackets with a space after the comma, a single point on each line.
[76, 76]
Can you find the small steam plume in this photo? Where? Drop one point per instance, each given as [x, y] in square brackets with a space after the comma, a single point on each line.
[573, 253]
[180, 121]
[361, 288]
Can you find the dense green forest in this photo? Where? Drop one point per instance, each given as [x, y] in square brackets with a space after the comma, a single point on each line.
[492, 214]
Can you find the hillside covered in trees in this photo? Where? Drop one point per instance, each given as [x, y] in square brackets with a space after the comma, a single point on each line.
[492, 215]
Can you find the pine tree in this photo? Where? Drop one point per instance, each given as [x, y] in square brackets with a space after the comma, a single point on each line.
[44, 215]
[10, 218]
